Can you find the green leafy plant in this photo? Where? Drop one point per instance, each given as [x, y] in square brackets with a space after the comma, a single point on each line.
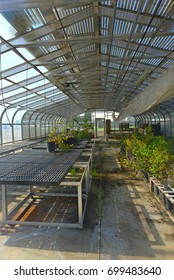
[100, 199]
[82, 127]
[161, 160]
[52, 135]
[150, 154]
[73, 171]
[60, 141]
[94, 171]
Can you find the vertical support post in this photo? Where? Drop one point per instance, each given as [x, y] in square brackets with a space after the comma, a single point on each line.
[80, 211]
[87, 179]
[168, 204]
[31, 191]
[90, 170]
[4, 203]
[151, 186]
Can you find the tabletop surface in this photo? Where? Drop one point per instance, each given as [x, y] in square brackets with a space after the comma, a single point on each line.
[9, 148]
[36, 167]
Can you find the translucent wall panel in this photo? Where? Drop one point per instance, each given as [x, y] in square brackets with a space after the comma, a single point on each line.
[26, 117]
[162, 124]
[167, 127]
[9, 60]
[18, 116]
[6, 133]
[24, 75]
[7, 31]
[32, 131]
[38, 129]
[25, 131]
[33, 125]
[8, 116]
[1, 110]
[17, 132]
[38, 125]
[43, 126]
[25, 125]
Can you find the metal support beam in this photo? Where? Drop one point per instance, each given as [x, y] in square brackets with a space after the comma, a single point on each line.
[158, 91]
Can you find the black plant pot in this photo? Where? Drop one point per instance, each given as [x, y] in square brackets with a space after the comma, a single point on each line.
[70, 140]
[50, 147]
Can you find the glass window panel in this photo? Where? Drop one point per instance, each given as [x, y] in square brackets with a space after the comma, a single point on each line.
[52, 90]
[34, 116]
[32, 131]
[14, 92]
[43, 130]
[26, 117]
[4, 83]
[18, 116]
[8, 31]
[38, 84]
[6, 133]
[38, 130]
[17, 132]
[35, 101]
[1, 109]
[40, 116]
[9, 60]
[22, 76]
[25, 97]
[42, 69]
[8, 115]
[25, 131]
[26, 53]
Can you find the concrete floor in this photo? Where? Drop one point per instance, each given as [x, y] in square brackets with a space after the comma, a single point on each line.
[135, 225]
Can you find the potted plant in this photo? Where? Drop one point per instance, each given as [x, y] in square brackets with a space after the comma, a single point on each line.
[61, 143]
[51, 140]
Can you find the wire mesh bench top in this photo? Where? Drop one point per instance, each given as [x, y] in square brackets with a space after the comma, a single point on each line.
[36, 167]
[6, 149]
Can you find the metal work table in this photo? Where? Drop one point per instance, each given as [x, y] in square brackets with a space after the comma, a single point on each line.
[37, 168]
[11, 148]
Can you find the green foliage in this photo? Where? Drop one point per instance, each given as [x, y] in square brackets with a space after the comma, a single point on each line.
[51, 135]
[60, 141]
[84, 134]
[73, 171]
[94, 171]
[100, 198]
[151, 154]
[83, 127]
[161, 160]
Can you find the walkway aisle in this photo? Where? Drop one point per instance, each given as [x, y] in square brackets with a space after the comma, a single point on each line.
[135, 224]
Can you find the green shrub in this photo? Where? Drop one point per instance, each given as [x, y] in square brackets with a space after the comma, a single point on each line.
[151, 154]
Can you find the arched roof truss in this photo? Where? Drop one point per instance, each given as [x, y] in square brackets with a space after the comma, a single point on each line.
[64, 58]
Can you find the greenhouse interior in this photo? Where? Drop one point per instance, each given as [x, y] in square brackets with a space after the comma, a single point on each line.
[96, 78]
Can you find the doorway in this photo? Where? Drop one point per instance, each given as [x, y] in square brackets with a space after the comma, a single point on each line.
[100, 127]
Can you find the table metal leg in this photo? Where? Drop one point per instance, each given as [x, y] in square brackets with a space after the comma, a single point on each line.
[80, 214]
[4, 203]
[31, 191]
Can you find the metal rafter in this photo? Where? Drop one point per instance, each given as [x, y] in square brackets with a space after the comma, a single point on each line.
[95, 52]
